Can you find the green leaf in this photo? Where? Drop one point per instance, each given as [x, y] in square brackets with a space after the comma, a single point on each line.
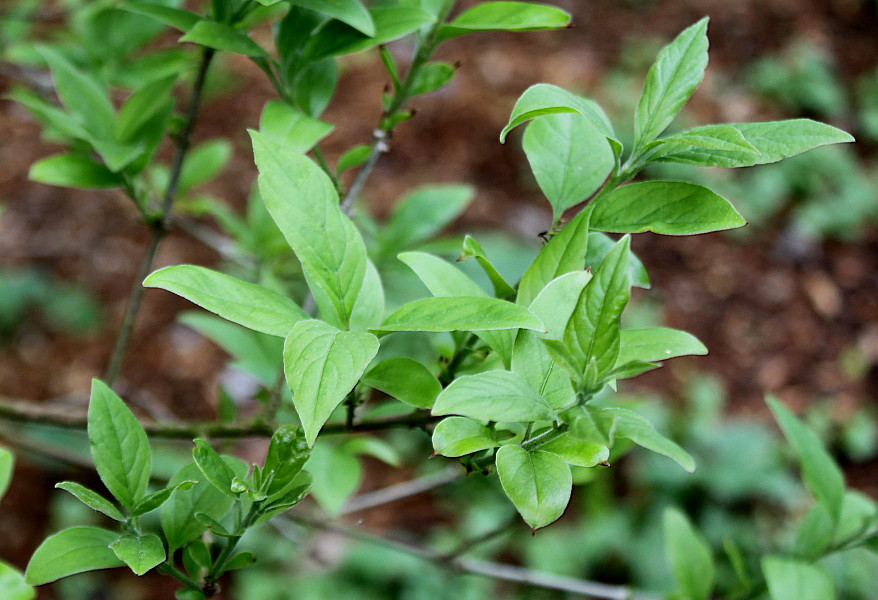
[13, 585]
[336, 473]
[290, 128]
[303, 202]
[422, 213]
[315, 85]
[538, 483]
[406, 380]
[84, 97]
[214, 468]
[71, 551]
[441, 278]
[531, 362]
[247, 304]
[632, 426]
[493, 396]
[91, 499]
[52, 117]
[545, 99]
[140, 552]
[73, 170]
[220, 36]
[351, 12]
[569, 158]
[814, 534]
[391, 23]
[322, 365]
[431, 77]
[774, 141]
[555, 304]
[460, 314]
[858, 512]
[564, 252]
[241, 560]
[822, 476]
[672, 79]
[354, 157]
[667, 207]
[287, 454]
[203, 163]
[368, 309]
[710, 137]
[375, 447]
[150, 100]
[599, 245]
[689, 557]
[153, 501]
[456, 436]
[7, 462]
[578, 452]
[472, 249]
[119, 446]
[175, 17]
[796, 580]
[505, 16]
[658, 343]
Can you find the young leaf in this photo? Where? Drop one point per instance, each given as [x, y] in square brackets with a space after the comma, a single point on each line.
[710, 137]
[600, 244]
[91, 499]
[471, 248]
[456, 436]
[773, 140]
[147, 102]
[71, 551]
[632, 426]
[391, 23]
[220, 36]
[204, 162]
[351, 12]
[303, 202]
[538, 483]
[460, 314]
[119, 446]
[156, 499]
[659, 343]
[796, 580]
[576, 452]
[322, 365]
[431, 77]
[406, 380]
[441, 278]
[672, 79]
[667, 207]
[287, 454]
[291, 129]
[214, 468]
[247, 304]
[531, 362]
[569, 158]
[493, 396]
[555, 304]
[7, 461]
[140, 552]
[505, 16]
[73, 170]
[689, 556]
[422, 213]
[174, 17]
[822, 476]
[354, 157]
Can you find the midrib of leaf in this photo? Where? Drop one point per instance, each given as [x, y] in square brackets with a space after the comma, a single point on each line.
[335, 268]
[667, 90]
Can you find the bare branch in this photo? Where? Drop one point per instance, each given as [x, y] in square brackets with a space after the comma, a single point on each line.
[400, 491]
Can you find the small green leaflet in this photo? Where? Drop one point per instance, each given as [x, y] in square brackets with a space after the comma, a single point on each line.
[71, 551]
[796, 580]
[493, 396]
[545, 99]
[667, 207]
[505, 16]
[139, 109]
[72, 170]
[431, 77]
[291, 129]
[672, 79]
[460, 314]
[214, 468]
[220, 36]
[287, 454]
[576, 452]
[456, 436]
[655, 344]
[406, 380]
[538, 483]
[472, 249]
[689, 557]
[630, 425]
[91, 499]
[119, 446]
[322, 365]
[140, 552]
[247, 304]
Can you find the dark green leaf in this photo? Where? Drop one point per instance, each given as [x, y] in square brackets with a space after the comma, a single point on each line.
[493, 396]
[287, 454]
[150, 100]
[140, 552]
[71, 551]
[406, 380]
[241, 560]
[391, 23]
[538, 483]
[7, 461]
[505, 16]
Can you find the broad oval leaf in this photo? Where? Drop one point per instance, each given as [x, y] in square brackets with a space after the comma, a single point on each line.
[456, 436]
[220, 36]
[460, 313]
[241, 302]
[71, 551]
[538, 483]
[658, 343]
[119, 446]
[545, 99]
[406, 380]
[689, 556]
[576, 452]
[493, 396]
[351, 12]
[796, 580]
[666, 207]
[505, 16]
[322, 365]
[140, 552]
[569, 158]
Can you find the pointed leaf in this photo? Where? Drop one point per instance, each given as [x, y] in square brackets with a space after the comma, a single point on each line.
[220, 36]
[175, 17]
[72, 170]
[456, 436]
[422, 213]
[441, 278]
[287, 454]
[406, 380]
[472, 249]
[140, 552]
[351, 12]
[291, 129]
[153, 501]
[555, 304]
[796, 580]
[531, 362]
[632, 426]
[505, 16]
[600, 244]
[391, 23]
[710, 137]
[91, 499]
[689, 556]
[493, 396]
[150, 100]
[71, 551]
[538, 483]
[577, 452]
[460, 314]
[545, 99]
[368, 309]
[659, 343]
[214, 468]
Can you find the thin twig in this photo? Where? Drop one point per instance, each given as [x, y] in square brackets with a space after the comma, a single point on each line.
[469, 544]
[499, 571]
[401, 491]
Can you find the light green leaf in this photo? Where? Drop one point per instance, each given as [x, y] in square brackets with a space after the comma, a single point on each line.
[460, 314]
[354, 157]
[303, 202]
[291, 129]
[351, 12]
[655, 344]
[71, 551]
[600, 244]
[247, 304]
[632, 426]
[472, 249]
[689, 557]
[12, 584]
[116, 155]
[368, 309]
[710, 137]
[441, 278]
[545, 99]
[287, 454]
[391, 23]
[555, 304]
[431, 77]
[576, 452]
[569, 158]
[152, 501]
[493, 396]
[814, 534]
[7, 462]
[406, 380]
[73, 170]
[822, 476]
[564, 252]
[337, 474]
[858, 512]
[796, 580]
[147, 102]
[672, 79]
[214, 468]
[175, 17]
[422, 213]
[119, 446]
[531, 362]
[204, 162]
[91, 499]
[52, 117]
[140, 552]
[538, 483]
[220, 36]
[456, 436]
[667, 207]
[322, 365]
[774, 141]
[505, 16]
